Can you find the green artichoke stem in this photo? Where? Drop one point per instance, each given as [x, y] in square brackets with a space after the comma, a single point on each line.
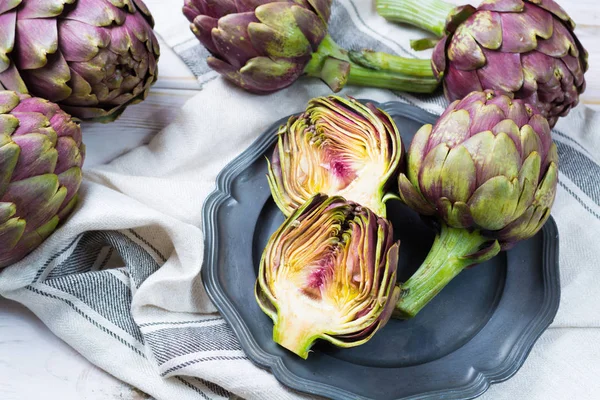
[337, 67]
[426, 14]
[295, 334]
[362, 76]
[453, 250]
[423, 44]
[391, 63]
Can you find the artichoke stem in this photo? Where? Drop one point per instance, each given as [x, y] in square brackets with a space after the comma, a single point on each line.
[362, 76]
[423, 44]
[426, 14]
[337, 67]
[453, 250]
[392, 63]
[295, 334]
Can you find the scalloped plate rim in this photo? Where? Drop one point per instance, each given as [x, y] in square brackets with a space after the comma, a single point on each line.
[482, 379]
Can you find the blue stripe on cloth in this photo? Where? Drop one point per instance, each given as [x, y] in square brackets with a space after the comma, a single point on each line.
[102, 291]
[54, 257]
[170, 343]
[88, 318]
[218, 390]
[147, 243]
[194, 388]
[83, 257]
[203, 359]
[105, 294]
[202, 387]
[181, 322]
[579, 200]
[580, 170]
[570, 139]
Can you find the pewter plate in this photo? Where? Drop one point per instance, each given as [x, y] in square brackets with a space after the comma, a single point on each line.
[477, 331]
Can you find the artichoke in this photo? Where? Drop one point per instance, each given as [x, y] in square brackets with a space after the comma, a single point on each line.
[488, 170]
[41, 154]
[524, 47]
[339, 147]
[91, 57]
[329, 272]
[265, 45]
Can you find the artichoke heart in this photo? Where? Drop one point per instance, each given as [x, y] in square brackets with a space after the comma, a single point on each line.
[329, 272]
[338, 147]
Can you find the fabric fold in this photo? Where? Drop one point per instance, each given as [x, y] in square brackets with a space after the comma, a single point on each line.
[120, 281]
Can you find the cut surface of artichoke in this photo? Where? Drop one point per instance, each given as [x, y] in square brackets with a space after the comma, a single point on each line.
[338, 147]
[329, 272]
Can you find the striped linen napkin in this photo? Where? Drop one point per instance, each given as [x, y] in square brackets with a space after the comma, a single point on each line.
[120, 282]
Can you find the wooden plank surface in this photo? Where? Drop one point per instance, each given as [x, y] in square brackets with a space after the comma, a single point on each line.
[32, 359]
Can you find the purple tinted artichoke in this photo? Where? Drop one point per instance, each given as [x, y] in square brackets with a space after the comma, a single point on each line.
[265, 45]
[329, 272]
[41, 155]
[336, 147]
[91, 57]
[524, 47]
[488, 170]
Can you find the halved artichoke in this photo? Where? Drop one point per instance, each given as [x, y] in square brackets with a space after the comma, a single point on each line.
[338, 146]
[329, 272]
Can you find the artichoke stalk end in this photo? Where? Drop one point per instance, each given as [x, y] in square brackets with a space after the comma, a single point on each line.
[337, 67]
[453, 250]
[295, 333]
[430, 15]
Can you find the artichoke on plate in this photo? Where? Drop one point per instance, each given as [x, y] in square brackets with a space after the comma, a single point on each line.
[524, 47]
[41, 155]
[91, 57]
[265, 45]
[329, 272]
[338, 146]
[488, 170]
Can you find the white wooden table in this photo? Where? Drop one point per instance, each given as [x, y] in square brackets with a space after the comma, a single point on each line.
[32, 360]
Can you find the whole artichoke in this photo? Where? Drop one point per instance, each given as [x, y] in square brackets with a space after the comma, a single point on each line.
[524, 47]
[329, 272]
[339, 147]
[91, 57]
[265, 45]
[41, 155]
[488, 170]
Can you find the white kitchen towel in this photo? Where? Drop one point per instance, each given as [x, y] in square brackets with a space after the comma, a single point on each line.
[120, 280]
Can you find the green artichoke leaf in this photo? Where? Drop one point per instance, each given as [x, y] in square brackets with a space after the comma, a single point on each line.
[493, 204]
[11, 233]
[458, 175]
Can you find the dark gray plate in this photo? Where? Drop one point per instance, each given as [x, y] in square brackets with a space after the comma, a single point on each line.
[477, 331]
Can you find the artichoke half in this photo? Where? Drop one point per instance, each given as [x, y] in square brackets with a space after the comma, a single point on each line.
[488, 170]
[91, 57]
[524, 47]
[329, 272]
[266, 45]
[41, 155]
[338, 146]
